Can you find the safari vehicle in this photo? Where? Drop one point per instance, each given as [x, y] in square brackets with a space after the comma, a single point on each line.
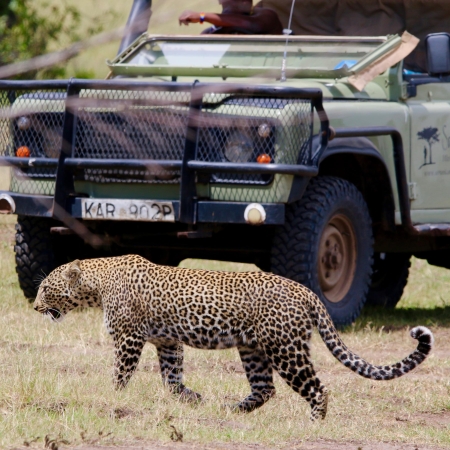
[322, 155]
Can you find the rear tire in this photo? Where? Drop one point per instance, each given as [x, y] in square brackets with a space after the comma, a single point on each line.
[326, 244]
[389, 278]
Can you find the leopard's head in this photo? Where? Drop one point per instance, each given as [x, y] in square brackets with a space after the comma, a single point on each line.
[66, 288]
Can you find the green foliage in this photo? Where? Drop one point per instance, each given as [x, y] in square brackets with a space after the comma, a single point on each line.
[29, 28]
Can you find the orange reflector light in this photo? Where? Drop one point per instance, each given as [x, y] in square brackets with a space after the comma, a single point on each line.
[264, 158]
[23, 152]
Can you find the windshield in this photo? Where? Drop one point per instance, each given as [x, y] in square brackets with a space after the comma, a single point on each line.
[154, 54]
[242, 54]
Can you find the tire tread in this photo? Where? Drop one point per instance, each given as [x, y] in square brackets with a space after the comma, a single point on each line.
[293, 254]
[33, 252]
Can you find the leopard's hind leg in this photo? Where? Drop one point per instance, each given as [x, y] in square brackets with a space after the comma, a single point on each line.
[259, 375]
[292, 361]
[171, 355]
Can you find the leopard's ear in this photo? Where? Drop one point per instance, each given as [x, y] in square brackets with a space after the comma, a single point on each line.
[72, 272]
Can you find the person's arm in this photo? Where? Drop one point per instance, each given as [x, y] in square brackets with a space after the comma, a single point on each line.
[257, 23]
[187, 17]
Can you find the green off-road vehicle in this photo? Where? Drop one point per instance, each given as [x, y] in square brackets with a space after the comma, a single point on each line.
[322, 155]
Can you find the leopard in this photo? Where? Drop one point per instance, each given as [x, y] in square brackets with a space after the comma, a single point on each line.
[270, 319]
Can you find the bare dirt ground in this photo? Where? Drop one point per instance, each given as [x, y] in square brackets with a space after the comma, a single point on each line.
[316, 445]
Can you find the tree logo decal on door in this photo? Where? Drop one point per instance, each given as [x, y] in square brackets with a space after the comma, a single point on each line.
[431, 136]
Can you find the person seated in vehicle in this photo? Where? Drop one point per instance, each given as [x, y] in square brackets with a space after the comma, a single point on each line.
[237, 17]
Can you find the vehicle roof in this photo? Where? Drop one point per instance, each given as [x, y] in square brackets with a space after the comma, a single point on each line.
[368, 18]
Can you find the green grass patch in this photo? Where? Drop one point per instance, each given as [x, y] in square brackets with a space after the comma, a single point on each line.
[425, 301]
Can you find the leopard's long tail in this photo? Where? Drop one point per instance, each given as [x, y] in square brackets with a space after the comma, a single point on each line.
[343, 354]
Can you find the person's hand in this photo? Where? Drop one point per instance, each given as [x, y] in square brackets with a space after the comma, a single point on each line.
[188, 17]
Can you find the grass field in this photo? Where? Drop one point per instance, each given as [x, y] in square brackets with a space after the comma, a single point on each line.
[56, 390]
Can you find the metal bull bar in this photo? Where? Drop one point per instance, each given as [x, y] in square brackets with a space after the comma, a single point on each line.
[71, 102]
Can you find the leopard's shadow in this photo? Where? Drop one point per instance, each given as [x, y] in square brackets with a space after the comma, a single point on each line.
[397, 318]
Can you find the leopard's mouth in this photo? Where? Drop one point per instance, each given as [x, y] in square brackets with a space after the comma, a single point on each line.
[54, 313]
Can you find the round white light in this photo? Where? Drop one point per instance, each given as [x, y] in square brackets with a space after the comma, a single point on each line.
[23, 123]
[7, 204]
[239, 147]
[264, 130]
[255, 214]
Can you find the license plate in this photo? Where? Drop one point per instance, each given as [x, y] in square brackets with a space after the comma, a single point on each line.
[141, 210]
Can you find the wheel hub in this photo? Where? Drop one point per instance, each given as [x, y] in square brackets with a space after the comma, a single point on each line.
[337, 258]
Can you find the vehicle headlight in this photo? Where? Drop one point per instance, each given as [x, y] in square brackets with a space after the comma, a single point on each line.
[239, 147]
[264, 130]
[23, 123]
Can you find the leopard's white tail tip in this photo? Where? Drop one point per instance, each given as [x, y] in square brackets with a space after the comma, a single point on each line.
[424, 336]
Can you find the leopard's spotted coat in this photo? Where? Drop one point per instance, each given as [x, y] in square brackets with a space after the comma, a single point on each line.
[267, 317]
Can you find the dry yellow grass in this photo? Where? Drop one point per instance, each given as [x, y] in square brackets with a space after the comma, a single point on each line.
[55, 381]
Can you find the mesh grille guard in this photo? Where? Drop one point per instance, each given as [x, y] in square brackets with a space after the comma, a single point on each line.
[141, 132]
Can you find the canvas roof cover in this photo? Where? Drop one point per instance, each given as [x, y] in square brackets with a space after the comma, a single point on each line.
[368, 18]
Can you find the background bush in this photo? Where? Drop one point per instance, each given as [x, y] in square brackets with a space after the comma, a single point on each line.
[29, 28]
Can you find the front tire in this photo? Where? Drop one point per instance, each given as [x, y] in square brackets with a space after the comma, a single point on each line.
[35, 257]
[326, 244]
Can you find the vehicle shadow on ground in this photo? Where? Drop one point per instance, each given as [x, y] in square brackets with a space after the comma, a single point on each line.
[397, 318]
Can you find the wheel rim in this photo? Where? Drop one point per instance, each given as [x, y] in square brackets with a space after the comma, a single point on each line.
[337, 258]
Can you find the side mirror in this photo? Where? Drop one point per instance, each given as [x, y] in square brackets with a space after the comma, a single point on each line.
[438, 53]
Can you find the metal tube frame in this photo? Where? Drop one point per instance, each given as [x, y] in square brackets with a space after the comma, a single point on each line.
[66, 165]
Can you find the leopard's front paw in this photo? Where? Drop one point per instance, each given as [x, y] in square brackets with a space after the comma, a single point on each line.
[189, 396]
[185, 394]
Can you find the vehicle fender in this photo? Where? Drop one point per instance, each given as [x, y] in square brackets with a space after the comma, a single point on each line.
[358, 161]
